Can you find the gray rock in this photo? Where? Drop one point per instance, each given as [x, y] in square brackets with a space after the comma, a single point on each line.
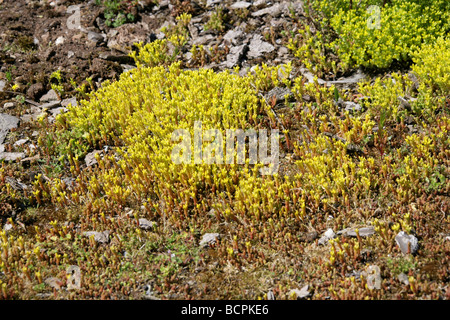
[7, 227]
[95, 37]
[363, 232]
[240, 5]
[188, 56]
[404, 103]
[54, 282]
[193, 30]
[308, 75]
[259, 3]
[70, 182]
[162, 4]
[274, 11]
[202, 40]
[69, 101]
[355, 78]
[12, 156]
[302, 293]
[57, 111]
[7, 122]
[279, 93]
[352, 106]
[335, 137]
[8, 105]
[258, 47]
[327, 235]
[403, 278]
[59, 40]
[209, 239]
[90, 158]
[31, 117]
[283, 50]
[146, 224]
[373, 277]
[50, 96]
[233, 35]
[35, 91]
[126, 35]
[235, 56]
[297, 6]
[121, 58]
[100, 237]
[127, 67]
[413, 78]
[50, 105]
[20, 142]
[244, 71]
[309, 236]
[210, 3]
[29, 160]
[2, 85]
[407, 243]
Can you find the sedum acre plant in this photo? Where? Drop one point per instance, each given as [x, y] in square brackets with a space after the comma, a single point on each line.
[139, 114]
[159, 52]
[365, 162]
[432, 65]
[375, 33]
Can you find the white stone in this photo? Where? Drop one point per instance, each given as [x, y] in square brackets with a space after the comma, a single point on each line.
[240, 5]
[20, 142]
[258, 47]
[407, 243]
[328, 235]
[60, 40]
[209, 238]
[146, 224]
[302, 293]
[8, 105]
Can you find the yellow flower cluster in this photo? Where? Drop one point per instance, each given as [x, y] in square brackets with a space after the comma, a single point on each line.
[376, 38]
[139, 114]
[433, 65]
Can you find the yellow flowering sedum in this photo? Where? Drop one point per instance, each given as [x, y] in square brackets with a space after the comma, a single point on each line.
[433, 65]
[139, 114]
[375, 33]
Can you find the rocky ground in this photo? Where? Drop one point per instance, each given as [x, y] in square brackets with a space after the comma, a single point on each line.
[41, 37]
[38, 38]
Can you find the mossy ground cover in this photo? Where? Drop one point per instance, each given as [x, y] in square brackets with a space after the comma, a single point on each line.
[384, 165]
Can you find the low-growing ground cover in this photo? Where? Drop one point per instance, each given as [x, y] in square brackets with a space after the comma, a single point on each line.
[111, 214]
